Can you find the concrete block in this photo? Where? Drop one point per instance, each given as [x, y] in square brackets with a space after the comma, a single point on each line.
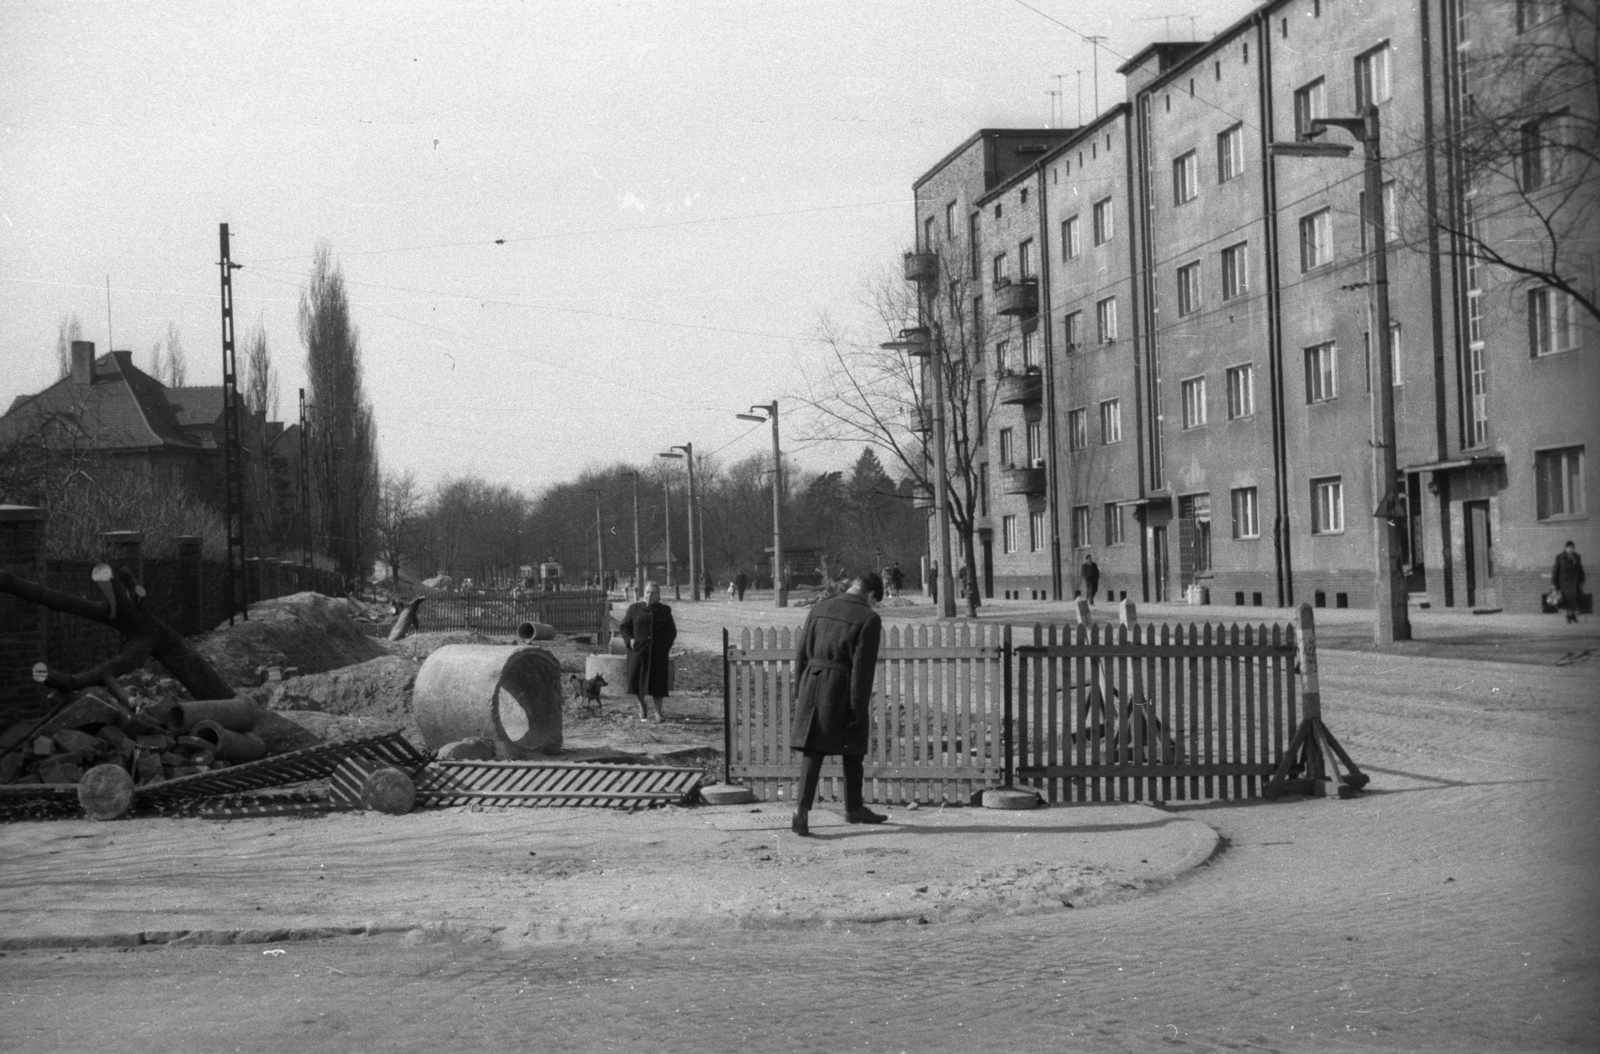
[82, 744]
[726, 794]
[1006, 798]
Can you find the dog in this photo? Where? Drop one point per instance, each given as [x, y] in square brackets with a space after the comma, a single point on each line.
[587, 690]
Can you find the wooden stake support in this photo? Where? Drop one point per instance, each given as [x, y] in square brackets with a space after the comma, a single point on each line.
[1313, 750]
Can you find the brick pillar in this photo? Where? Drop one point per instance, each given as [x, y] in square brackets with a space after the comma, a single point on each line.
[124, 549]
[189, 585]
[22, 625]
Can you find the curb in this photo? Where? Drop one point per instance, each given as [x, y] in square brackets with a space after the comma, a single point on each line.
[195, 937]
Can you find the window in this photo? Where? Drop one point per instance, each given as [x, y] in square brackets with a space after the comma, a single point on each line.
[1025, 259]
[1310, 103]
[1327, 505]
[1030, 351]
[1479, 375]
[1035, 444]
[1194, 402]
[1103, 230]
[950, 221]
[1036, 535]
[1114, 529]
[1542, 144]
[1230, 153]
[1322, 373]
[1105, 313]
[1072, 330]
[1552, 322]
[1008, 534]
[1397, 376]
[1316, 239]
[1111, 421]
[1235, 271]
[927, 235]
[1185, 178]
[1002, 353]
[1559, 474]
[1080, 526]
[1077, 428]
[1001, 268]
[1391, 218]
[1071, 238]
[1245, 521]
[1008, 451]
[1194, 530]
[974, 253]
[980, 396]
[1532, 13]
[1188, 289]
[1241, 391]
[1372, 77]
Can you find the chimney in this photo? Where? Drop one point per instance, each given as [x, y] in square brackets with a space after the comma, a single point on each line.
[83, 362]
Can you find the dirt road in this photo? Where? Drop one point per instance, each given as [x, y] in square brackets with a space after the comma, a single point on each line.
[1449, 909]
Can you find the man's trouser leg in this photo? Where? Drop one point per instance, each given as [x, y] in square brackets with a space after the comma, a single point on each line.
[810, 775]
[854, 766]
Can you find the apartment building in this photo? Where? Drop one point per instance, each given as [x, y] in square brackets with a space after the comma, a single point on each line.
[1181, 319]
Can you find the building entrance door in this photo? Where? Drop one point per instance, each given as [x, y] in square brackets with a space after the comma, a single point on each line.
[1480, 554]
[1158, 562]
[988, 569]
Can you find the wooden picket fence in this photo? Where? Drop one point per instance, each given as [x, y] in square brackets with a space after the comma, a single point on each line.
[1154, 712]
[570, 612]
[937, 720]
[1084, 713]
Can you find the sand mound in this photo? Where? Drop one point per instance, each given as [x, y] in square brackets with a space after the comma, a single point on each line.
[306, 630]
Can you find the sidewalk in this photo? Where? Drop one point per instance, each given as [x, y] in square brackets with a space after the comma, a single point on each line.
[522, 875]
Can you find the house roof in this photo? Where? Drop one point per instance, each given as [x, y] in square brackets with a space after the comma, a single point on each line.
[124, 408]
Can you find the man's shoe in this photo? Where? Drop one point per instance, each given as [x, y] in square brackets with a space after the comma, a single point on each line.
[799, 825]
[864, 815]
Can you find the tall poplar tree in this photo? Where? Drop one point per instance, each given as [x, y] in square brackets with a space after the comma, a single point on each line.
[344, 456]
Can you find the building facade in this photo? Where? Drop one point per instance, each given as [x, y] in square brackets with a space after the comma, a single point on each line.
[1172, 322]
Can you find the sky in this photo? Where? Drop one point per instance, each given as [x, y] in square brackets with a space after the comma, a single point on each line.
[573, 234]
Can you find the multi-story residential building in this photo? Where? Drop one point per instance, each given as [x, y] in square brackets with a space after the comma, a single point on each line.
[1205, 314]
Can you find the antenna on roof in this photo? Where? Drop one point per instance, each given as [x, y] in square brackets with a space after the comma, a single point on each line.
[109, 344]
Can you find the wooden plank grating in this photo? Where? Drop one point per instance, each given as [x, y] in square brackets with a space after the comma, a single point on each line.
[554, 783]
[299, 766]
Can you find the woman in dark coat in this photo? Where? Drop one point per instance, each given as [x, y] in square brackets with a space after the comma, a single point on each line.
[648, 631]
[1567, 577]
[835, 662]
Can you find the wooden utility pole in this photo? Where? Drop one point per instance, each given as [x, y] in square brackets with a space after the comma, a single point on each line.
[232, 445]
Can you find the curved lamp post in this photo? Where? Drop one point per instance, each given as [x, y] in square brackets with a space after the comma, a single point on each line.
[780, 588]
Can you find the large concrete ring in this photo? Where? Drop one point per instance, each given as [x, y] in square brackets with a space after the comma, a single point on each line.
[509, 697]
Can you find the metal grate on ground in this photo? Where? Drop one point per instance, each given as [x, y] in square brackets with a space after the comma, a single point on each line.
[299, 766]
[546, 783]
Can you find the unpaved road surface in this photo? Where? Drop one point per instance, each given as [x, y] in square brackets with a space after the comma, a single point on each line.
[1452, 908]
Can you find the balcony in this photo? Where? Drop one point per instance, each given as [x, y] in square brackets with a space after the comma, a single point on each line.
[919, 419]
[1021, 389]
[1017, 298]
[922, 267]
[1029, 481]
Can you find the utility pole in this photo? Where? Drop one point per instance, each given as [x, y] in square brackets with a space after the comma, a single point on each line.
[666, 504]
[1391, 616]
[600, 540]
[920, 342]
[779, 586]
[638, 559]
[305, 483]
[694, 558]
[232, 447]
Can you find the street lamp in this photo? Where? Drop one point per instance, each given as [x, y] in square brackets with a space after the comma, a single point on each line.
[780, 587]
[687, 454]
[638, 560]
[920, 342]
[1391, 619]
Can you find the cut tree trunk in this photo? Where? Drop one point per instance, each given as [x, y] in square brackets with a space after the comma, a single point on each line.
[144, 636]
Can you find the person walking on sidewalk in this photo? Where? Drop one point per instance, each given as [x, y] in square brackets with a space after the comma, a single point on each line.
[1089, 572]
[648, 630]
[1567, 577]
[741, 582]
[834, 664]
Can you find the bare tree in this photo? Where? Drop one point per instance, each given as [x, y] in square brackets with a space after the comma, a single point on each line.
[261, 390]
[399, 506]
[1525, 151]
[68, 330]
[866, 394]
[177, 361]
[344, 461]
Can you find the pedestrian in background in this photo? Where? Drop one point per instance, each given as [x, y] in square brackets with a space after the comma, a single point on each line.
[834, 665]
[1089, 573]
[1567, 578]
[648, 630]
[741, 582]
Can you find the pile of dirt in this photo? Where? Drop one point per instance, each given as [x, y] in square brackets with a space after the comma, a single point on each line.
[308, 631]
[377, 691]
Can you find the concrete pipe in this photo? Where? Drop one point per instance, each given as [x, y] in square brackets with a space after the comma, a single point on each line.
[529, 631]
[230, 745]
[236, 715]
[508, 697]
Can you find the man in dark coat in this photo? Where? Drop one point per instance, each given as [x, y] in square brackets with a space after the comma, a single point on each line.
[1090, 573]
[1567, 577]
[834, 665]
[741, 582]
[648, 631]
